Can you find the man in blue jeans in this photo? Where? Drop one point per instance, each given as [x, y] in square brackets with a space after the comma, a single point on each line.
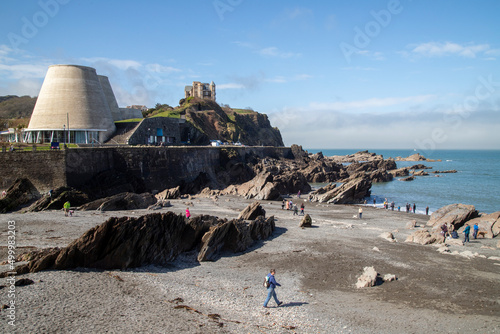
[272, 285]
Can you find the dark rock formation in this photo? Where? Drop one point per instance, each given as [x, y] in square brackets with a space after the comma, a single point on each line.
[409, 178]
[351, 192]
[419, 166]
[58, 198]
[160, 205]
[20, 193]
[252, 211]
[234, 236]
[455, 214]
[127, 242]
[444, 171]
[113, 182]
[405, 171]
[172, 193]
[123, 201]
[306, 221]
[420, 173]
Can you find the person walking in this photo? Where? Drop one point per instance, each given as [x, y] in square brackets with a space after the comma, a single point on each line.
[295, 210]
[426, 210]
[66, 208]
[360, 212]
[188, 213]
[283, 205]
[466, 233]
[475, 230]
[302, 206]
[414, 208]
[270, 290]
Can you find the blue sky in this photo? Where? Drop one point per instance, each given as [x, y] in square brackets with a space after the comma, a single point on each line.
[337, 74]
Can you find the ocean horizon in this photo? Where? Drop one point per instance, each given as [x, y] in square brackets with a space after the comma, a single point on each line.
[476, 182]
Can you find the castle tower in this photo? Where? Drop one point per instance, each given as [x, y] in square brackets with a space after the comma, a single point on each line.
[71, 107]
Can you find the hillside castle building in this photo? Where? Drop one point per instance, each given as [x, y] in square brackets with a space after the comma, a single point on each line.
[200, 90]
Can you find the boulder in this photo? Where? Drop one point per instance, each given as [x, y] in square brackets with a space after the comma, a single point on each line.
[172, 193]
[379, 176]
[400, 172]
[252, 211]
[388, 236]
[409, 178]
[489, 224]
[160, 205]
[306, 221]
[422, 237]
[454, 242]
[455, 214]
[20, 193]
[420, 173]
[413, 157]
[234, 236]
[411, 224]
[56, 200]
[419, 166]
[368, 278]
[351, 192]
[389, 278]
[444, 171]
[123, 201]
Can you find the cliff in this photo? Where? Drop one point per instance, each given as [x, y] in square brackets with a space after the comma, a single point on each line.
[209, 121]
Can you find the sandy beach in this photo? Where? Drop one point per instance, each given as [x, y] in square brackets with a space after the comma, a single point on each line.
[317, 268]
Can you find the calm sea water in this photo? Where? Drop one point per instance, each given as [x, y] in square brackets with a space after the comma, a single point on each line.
[477, 181]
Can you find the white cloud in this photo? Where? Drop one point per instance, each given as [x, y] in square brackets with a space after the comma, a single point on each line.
[436, 49]
[231, 85]
[157, 68]
[275, 52]
[369, 103]
[122, 64]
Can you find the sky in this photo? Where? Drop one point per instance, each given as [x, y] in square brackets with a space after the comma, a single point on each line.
[329, 74]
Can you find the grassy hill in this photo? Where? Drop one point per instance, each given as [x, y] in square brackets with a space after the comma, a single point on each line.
[214, 122]
[15, 110]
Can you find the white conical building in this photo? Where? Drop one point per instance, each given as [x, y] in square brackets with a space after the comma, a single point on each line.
[110, 98]
[71, 107]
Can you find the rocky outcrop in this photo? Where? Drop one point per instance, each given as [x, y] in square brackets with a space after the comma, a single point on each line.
[252, 211]
[422, 237]
[351, 192]
[235, 236]
[123, 201]
[388, 236]
[489, 224]
[172, 193]
[129, 242]
[451, 171]
[20, 193]
[56, 200]
[368, 278]
[420, 173]
[400, 172]
[455, 214]
[161, 204]
[409, 178]
[413, 157]
[306, 221]
[419, 166]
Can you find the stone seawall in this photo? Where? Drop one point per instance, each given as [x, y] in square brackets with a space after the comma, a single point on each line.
[45, 169]
[159, 167]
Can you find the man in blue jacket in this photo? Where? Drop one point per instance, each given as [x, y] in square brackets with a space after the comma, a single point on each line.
[466, 233]
[270, 290]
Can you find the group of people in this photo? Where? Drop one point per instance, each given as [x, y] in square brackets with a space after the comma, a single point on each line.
[392, 205]
[450, 232]
[289, 205]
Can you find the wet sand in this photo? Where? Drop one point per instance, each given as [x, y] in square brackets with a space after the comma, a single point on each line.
[317, 267]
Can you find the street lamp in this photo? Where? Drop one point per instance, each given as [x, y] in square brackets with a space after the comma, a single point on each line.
[64, 135]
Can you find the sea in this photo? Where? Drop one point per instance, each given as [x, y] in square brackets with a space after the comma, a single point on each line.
[477, 181]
